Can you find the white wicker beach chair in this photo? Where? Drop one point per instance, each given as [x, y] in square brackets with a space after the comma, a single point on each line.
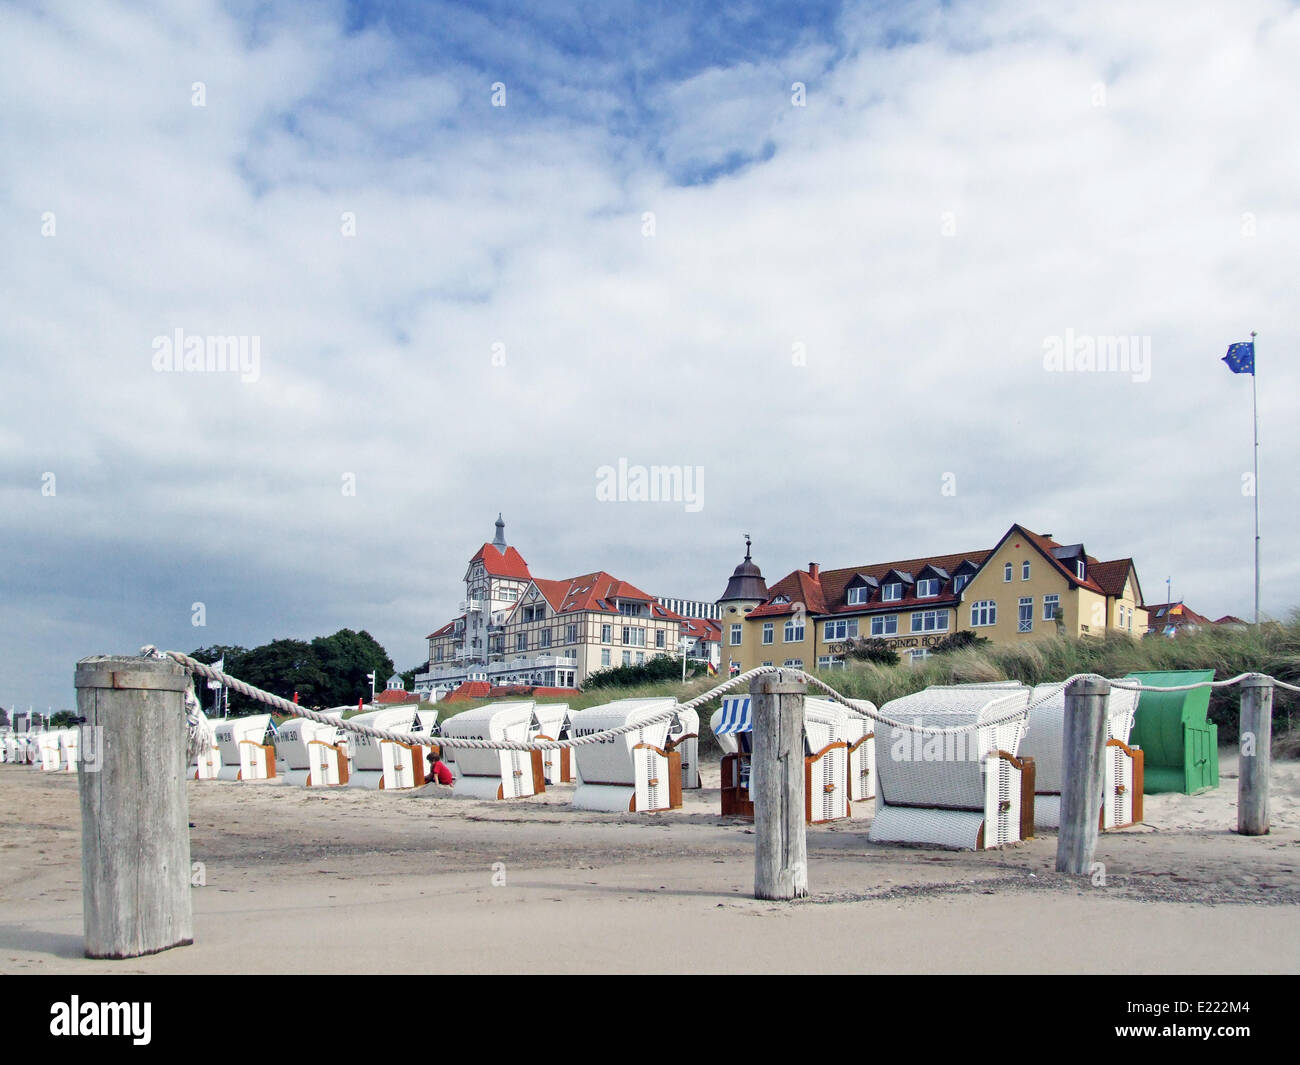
[1044, 737]
[311, 753]
[243, 754]
[386, 765]
[488, 774]
[684, 736]
[633, 772]
[827, 729]
[861, 735]
[554, 724]
[48, 745]
[961, 790]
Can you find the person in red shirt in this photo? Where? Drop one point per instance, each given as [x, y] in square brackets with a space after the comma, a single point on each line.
[438, 770]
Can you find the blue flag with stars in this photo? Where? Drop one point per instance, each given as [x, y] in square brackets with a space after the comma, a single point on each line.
[1241, 357]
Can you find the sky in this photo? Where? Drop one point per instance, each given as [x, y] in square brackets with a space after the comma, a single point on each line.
[828, 259]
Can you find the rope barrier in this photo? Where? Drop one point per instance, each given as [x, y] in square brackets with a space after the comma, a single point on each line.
[462, 743]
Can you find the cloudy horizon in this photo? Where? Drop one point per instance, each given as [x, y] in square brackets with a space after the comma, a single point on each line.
[857, 263]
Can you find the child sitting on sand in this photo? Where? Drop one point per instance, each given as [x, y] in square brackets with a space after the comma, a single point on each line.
[438, 771]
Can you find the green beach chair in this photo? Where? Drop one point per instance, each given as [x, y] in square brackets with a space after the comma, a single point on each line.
[1181, 747]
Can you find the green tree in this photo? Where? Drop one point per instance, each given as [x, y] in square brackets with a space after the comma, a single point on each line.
[281, 667]
[873, 649]
[345, 658]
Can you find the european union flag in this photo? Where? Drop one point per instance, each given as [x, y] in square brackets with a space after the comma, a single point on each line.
[1241, 357]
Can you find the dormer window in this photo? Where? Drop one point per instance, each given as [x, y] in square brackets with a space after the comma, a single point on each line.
[1080, 569]
[892, 592]
[858, 596]
[781, 599]
[960, 581]
[927, 588]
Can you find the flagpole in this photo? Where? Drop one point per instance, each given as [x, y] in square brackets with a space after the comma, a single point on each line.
[1254, 393]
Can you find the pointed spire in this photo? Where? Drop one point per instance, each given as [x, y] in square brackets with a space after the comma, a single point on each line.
[499, 541]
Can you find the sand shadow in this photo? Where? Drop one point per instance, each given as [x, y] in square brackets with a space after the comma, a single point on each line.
[57, 944]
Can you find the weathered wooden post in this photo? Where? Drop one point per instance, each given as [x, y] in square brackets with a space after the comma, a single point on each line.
[1084, 744]
[1256, 759]
[777, 787]
[135, 839]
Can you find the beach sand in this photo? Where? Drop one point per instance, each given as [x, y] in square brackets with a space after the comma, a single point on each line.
[300, 881]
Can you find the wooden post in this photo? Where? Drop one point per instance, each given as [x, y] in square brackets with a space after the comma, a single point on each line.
[135, 839]
[776, 786]
[1256, 755]
[1083, 780]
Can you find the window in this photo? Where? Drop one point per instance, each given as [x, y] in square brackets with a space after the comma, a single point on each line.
[1080, 569]
[796, 662]
[858, 596]
[1026, 614]
[659, 637]
[1006, 572]
[1051, 603]
[960, 581]
[1024, 570]
[607, 634]
[927, 588]
[604, 656]
[841, 630]
[545, 638]
[570, 633]
[887, 625]
[767, 663]
[794, 630]
[735, 635]
[768, 632]
[627, 658]
[985, 612]
[640, 658]
[830, 662]
[534, 613]
[930, 621]
[778, 600]
[917, 655]
[891, 593]
[634, 637]
[521, 641]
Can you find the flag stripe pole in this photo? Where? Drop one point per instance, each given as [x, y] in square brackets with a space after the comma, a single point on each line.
[1254, 393]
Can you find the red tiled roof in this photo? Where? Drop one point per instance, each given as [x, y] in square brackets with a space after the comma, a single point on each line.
[801, 587]
[704, 628]
[590, 591]
[446, 630]
[509, 564]
[1046, 547]
[835, 582]
[1110, 576]
[397, 696]
[470, 689]
[1229, 619]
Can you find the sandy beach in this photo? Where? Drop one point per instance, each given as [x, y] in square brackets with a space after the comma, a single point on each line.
[300, 881]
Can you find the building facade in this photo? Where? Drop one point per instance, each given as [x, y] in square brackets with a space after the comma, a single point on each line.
[1025, 587]
[516, 628]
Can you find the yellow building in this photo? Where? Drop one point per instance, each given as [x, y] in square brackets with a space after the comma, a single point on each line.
[1027, 587]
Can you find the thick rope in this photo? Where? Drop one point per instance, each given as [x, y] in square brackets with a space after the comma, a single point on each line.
[459, 743]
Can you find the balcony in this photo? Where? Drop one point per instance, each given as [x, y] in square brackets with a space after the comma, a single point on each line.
[471, 606]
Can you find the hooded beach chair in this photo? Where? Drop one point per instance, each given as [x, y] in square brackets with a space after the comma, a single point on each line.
[495, 774]
[1043, 742]
[634, 772]
[387, 765]
[964, 790]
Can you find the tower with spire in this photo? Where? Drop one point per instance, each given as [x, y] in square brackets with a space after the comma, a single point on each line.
[496, 578]
[743, 593]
